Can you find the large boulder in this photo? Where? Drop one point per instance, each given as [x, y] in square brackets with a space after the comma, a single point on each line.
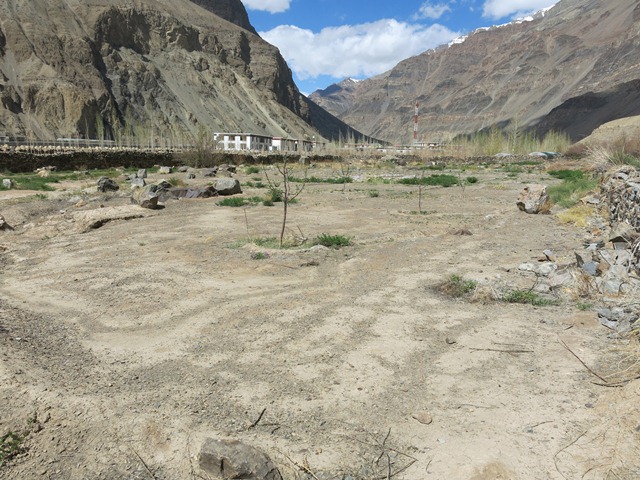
[228, 186]
[188, 192]
[231, 459]
[148, 196]
[105, 184]
[4, 225]
[534, 198]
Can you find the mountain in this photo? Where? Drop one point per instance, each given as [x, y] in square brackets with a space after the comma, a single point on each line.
[573, 68]
[146, 68]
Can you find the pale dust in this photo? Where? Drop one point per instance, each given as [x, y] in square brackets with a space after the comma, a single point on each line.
[135, 341]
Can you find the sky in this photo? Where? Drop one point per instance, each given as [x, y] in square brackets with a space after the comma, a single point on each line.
[325, 41]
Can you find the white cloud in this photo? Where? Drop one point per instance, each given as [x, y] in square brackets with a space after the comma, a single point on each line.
[496, 9]
[354, 50]
[428, 10]
[271, 6]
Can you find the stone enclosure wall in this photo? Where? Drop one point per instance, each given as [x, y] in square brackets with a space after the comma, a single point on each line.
[24, 162]
[621, 190]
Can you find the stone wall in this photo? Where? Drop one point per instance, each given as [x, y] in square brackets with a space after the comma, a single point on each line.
[621, 191]
[24, 162]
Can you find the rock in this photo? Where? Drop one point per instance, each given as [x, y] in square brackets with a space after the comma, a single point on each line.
[227, 168]
[203, 192]
[590, 268]
[138, 182]
[148, 196]
[543, 269]
[228, 186]
[617, 318]
[210, 172]
[534, 199]
[423, 417]
[182, 169]
[191, 176]
[165, 170]
[142, 173]
[7, 183]
[231, 459]
[4, 225]
[105, 184]
[622, 233]
[549, 255]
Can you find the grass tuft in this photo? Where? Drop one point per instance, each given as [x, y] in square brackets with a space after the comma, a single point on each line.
[527, 297]
[232, 202]
[434, 180]
[333, 241]
[11, 444]
[456, 286]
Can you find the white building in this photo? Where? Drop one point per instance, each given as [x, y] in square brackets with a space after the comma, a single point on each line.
[263, 143]
[280, 144]
[243, 141]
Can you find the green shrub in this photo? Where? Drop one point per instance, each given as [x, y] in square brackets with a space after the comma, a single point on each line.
[11, 444]
[275, 194]
[374, 193]
[569, 192]
[527, 297]
[456, 286]
[434, 180]
[333, 241]
[252, 170]
[567, 174]
[338, 180]
[472, 180]
[232, 202]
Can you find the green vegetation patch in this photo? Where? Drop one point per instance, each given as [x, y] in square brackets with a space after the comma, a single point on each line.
[569, 192]
[434, 180]
[334, 180]
[567, 174]
[527, 297]
[456, 286]
[11, 444]
[333, 241]
[233, 202]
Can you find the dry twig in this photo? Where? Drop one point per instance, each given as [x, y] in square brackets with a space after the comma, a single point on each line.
[580, 360]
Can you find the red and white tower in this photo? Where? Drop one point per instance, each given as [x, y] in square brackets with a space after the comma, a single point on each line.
[415, 123]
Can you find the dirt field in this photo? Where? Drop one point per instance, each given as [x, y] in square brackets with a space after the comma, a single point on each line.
[123, 347]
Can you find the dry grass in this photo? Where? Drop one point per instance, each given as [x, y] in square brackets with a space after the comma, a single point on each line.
[578, 215]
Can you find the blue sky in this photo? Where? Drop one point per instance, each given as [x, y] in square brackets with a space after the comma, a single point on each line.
[325, 41]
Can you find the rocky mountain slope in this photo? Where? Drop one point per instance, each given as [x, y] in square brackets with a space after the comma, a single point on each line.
[580, 58]
[151, 70]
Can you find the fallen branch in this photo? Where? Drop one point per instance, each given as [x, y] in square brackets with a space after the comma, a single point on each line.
[304, 468]
[511, 352]
[555, 457]
[383, 446]
[254, 424]
[153, 476]
[580, 360]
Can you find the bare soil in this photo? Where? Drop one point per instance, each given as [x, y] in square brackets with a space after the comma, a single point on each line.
[123, 347]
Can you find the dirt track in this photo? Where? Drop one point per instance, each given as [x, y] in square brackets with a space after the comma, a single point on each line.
[134, 342]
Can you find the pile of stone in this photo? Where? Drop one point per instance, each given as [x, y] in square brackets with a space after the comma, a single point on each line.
[621, 191]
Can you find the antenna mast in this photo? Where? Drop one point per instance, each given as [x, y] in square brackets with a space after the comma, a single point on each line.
[415, 123]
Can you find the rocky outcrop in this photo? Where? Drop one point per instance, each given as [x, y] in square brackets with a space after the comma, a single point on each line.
[513, 75]
[231, 10]
[149, 72]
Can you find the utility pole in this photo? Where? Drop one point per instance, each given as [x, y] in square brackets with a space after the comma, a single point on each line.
[415, 123]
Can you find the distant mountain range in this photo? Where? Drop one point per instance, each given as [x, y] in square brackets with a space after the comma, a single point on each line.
[571, 69]
[151, 70]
